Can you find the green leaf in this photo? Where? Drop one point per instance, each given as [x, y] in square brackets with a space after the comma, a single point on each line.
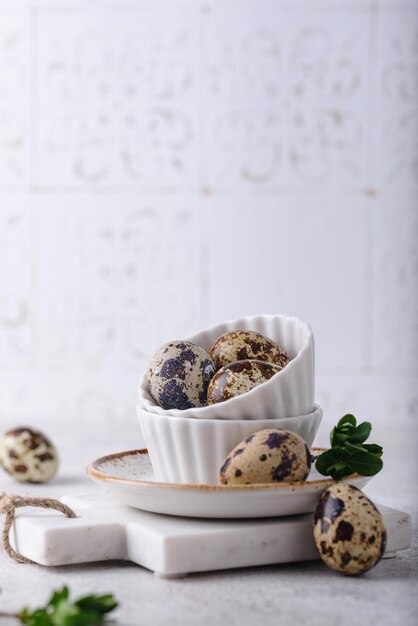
[373, 448]
[348, 452]
[338, 471]
[71, 615]
[60, 611]
[360, 433]
[58, 596]
[337, 438]
[365, 463]
[328, 459]
[343, 429]
[24, 615]
[102, 604]
[65, 614]
[347, 421]
[351, 448]
[324, 461]
[39, 617]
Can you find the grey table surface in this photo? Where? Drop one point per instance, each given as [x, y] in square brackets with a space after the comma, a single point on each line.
[300, 593]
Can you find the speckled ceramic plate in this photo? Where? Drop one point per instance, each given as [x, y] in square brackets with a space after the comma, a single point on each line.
[129, 478]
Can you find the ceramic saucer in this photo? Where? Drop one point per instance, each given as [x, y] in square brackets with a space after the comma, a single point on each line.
[129, 478]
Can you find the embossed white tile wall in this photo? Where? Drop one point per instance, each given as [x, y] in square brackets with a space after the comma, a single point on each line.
[282, 254]
[69, 396]
[116, 279]
[287, 95]
[118, 99]
[17, 293]
[395, 280]
[15, 96]
[398, 98]
[389, 402]
[90, 285]
[189, 161]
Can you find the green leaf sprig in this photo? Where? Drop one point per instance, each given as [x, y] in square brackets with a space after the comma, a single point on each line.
[348, 453]
[60, 611]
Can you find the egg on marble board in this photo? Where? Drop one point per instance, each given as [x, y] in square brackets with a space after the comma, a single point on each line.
[268, 456]
[28, 455]
[349, 531]
[239, 345]
[237, 378]
[179, 374]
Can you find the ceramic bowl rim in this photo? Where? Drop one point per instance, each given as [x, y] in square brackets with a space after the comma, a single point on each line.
[317, 410]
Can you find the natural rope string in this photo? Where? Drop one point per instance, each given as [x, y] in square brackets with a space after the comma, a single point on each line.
[8, 506]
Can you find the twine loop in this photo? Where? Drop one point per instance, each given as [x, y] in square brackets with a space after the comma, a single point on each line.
[8, 506]
[6, 503]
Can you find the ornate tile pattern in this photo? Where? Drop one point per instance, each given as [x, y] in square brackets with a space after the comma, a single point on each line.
[86, 295]
[118, 97]
[114, 282]
[383, 399]
[286, 97]
[15, 97]
[398, 76]
[17, 296]
[271, 254]
[167, 145]
[395, 280]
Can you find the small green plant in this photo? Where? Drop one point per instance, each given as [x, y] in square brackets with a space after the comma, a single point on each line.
[348, 453]
[61, 611]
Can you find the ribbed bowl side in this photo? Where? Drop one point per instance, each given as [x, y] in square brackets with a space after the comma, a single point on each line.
[193, 451]
[290, 392]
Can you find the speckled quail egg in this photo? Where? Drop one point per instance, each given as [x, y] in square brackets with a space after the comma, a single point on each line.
[28, 455]
[349, 531]
[179, 374]
[267, 456]
[239, 345]
[237, 378]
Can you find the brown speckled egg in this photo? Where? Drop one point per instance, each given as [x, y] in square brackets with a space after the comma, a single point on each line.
[349, 531]
[237, 378]
[239, 345]
[28, 455]
[268, 456]
[179, 374]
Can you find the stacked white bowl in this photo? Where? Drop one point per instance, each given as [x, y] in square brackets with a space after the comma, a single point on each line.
[190, 446]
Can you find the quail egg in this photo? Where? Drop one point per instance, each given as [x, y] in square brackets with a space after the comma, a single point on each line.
[28, 455]
[267, 456]
[179, 374]
[349, 531]
[238, 345]
[237, 378]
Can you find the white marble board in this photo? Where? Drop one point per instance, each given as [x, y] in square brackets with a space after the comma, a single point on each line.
[173, 546]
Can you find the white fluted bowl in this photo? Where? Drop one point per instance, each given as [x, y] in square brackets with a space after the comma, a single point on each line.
[288, 393]
[191, 451]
